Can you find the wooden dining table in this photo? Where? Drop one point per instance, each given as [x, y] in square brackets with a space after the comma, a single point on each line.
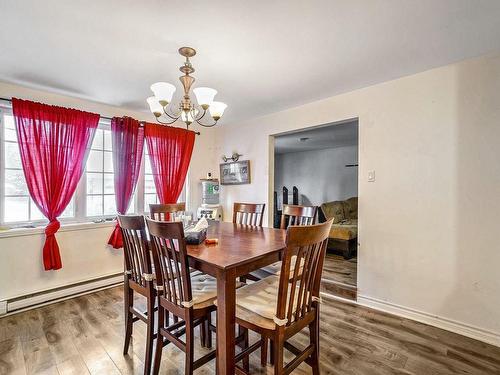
[240, 250]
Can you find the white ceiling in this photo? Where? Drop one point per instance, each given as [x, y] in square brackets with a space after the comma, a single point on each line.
[326, 136]
[262, 56]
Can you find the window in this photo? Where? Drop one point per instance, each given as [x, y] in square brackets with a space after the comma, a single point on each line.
[17, 206]
[94, 198]
[150, 195]
[100, 187]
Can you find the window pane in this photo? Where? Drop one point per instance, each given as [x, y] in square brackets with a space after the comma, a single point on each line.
[131, 207]
[10, 135]
[94, 183]
[16, 209]
[35, 213]
[107, 140]
[69, 211]
[9, 121]
[15, 184]
[109, 183]
[97, 142]
[149, 184]
[149, 199]
[108, 161]
[147, 165]
[94, 162]
[94, 205]
[12, 157]
[109, 205]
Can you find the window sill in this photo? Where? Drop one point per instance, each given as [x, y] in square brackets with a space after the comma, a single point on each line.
[65, 227]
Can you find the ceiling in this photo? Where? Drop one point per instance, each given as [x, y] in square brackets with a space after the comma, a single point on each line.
[326, 136]
[262, 56]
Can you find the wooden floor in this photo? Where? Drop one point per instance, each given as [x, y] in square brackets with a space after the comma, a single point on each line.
[340, 270]
[85, 335]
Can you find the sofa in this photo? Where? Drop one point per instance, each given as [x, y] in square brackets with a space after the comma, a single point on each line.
[344, 231]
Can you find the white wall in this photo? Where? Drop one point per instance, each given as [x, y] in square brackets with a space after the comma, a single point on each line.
[428, 226]
[320, 175]
[84, 254]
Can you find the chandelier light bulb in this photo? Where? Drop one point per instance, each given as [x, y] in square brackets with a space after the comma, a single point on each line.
[205, 96]
[163, 92]
[217, 110]
[155, 106]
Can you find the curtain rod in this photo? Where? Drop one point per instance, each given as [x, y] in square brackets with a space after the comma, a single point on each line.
[104, 117]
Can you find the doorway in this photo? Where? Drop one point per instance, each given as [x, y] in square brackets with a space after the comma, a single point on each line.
[319, 167]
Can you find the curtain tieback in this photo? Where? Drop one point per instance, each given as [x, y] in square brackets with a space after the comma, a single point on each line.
[52, 227]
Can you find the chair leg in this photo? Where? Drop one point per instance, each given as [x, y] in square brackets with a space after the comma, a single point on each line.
[203, 334]
[189, 348]
[159, 340]
[278, 356]
[246, 361]
[263, 351]
[149, 336]
[314, 339]
[271, 352]
[128, 302]
[209, 331]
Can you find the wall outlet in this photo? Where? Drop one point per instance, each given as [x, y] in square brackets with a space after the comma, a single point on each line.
[3, 307]
[371, 176]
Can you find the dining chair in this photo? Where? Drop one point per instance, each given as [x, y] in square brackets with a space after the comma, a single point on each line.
[166, 212]
[139, 279]
[279, 307]
[187, 296]
[291, 215]
[248, 213]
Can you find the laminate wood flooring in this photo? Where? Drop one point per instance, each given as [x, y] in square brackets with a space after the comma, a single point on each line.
[84, 335]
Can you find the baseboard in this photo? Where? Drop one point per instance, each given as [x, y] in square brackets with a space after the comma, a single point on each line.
[454, 326]
[58, 294]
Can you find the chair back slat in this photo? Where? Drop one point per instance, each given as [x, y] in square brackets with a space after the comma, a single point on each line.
[166, 212]
[136, 249]
[297, 215]
[300, 283]
[248, 213]
[170, 260]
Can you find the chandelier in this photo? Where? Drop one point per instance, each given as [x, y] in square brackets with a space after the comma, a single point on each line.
[187, 111]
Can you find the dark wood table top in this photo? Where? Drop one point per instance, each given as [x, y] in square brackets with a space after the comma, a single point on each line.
[238, 245]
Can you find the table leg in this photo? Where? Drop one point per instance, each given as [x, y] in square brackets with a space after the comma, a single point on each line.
[226, 305]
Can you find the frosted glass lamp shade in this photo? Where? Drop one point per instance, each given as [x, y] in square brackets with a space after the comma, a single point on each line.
[155, 106]
[205, 96]
[217, 110]
[163, 92]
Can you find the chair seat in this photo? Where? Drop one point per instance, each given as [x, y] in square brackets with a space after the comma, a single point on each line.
[204, 289]
[257, 303]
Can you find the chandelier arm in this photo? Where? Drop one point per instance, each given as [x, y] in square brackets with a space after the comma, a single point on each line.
[175, 118]
[166, 122]
[202, 115]
[206, 125]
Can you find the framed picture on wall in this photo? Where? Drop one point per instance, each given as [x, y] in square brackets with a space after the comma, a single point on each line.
[235, 173]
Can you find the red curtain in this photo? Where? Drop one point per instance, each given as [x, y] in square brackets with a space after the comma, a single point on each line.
[54, 144]
[127, 137]
[170, 150]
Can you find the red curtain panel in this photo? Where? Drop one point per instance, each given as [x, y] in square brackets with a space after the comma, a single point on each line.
[170, 151]
[127, 137]
[54, 143]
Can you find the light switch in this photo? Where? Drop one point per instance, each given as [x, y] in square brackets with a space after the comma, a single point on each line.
[371, 176]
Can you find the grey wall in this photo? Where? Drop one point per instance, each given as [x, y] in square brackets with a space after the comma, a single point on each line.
[320, 175]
